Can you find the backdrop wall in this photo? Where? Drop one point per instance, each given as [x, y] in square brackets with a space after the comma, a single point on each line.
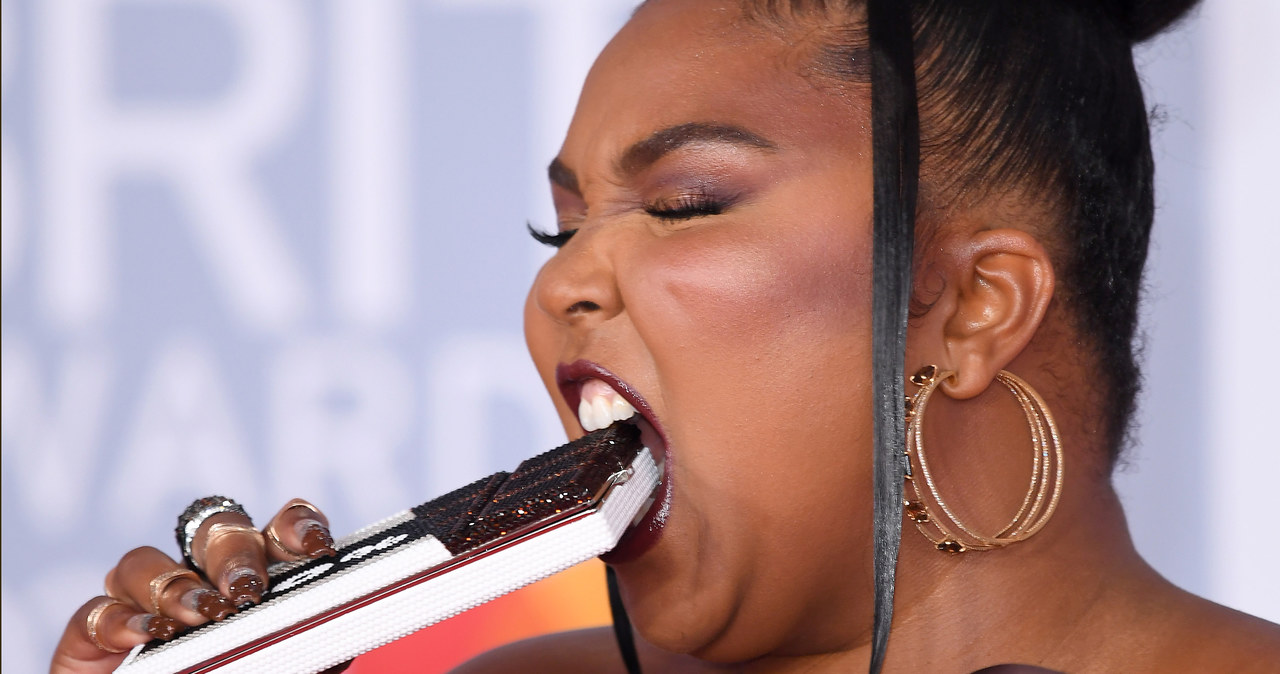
[277, 248]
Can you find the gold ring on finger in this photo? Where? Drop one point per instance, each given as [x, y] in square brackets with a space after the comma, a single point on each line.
[161, 582]
[221, 529]
[276, 543]
[91, 623]
[225, 528]
[299, 503]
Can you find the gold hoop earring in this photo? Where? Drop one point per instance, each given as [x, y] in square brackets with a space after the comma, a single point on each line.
[950, 533]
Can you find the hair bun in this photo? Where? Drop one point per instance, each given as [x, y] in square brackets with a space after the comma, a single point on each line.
[1141, 20]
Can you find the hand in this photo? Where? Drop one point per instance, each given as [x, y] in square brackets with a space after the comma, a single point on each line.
[151, 596]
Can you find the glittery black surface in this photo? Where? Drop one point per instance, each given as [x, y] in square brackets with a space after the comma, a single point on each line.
[547, 485]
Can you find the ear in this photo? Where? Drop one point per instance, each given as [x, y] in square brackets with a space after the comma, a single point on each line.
[998, 284]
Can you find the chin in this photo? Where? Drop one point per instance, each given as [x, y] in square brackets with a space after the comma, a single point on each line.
[701, 624]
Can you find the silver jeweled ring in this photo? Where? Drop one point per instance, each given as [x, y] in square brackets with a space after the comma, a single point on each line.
[200, 510]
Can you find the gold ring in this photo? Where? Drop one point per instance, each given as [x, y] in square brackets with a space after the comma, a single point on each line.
[299, 503]
[91, 622]
[221, 529]
[230, 527]
[276, 543]
[274, 538]
[162, 581]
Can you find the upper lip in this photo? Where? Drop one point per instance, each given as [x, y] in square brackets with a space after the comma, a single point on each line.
[570, 376]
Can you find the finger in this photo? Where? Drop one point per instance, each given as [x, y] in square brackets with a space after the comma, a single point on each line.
[233, 556]
[102, 631]
[298, 531]
[152, 580]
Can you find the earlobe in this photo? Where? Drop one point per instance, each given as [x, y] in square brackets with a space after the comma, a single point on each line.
[1002, 282]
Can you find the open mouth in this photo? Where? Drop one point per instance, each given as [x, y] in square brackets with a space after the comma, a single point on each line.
[602, 398]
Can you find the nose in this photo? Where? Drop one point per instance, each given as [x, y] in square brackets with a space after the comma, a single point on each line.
[578, 286]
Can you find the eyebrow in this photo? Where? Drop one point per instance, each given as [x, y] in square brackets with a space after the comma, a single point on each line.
[646, 152]
[643, 154]
[562, 175]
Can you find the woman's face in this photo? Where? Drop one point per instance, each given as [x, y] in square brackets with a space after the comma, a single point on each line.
[720, 270]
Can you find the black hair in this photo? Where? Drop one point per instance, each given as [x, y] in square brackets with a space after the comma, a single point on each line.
[1040, 100]
[895, 141]
[1013, 98]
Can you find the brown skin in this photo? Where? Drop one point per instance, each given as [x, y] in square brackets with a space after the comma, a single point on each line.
[748, 334]
[302, 532]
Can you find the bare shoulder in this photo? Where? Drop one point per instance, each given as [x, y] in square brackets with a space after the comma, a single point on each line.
[587, 650]
[1209, 637]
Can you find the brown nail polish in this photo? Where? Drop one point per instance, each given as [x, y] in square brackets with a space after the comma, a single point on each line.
[208, 603]
[316, 541]
[247, 588]
[155, 626]
[161, 627]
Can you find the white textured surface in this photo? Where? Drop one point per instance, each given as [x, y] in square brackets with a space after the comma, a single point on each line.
[277, 615]
[400, 614]
[350, 539]
[365, 532]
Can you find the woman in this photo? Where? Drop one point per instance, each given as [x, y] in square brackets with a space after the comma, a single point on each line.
[715, 198]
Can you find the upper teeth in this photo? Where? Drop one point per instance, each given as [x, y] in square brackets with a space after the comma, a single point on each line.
[601, 405]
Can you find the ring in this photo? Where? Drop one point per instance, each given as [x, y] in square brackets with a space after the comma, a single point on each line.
[162, 581]
[200, 510]
[274, 538]
[299, 503]
[221, 529]
[231, 527]
[91, 622]
[276, 543]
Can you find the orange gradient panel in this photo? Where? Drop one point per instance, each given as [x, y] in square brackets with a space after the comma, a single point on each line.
[569, 600]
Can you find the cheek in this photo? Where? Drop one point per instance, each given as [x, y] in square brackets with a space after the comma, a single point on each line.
[776, 293]
[757, 332]
[761, 336]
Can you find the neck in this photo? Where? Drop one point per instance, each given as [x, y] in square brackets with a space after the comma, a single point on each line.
[1053, 600]
[1033, 602]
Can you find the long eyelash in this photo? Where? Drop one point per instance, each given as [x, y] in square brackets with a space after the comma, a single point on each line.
[686, 207]
[557, 240]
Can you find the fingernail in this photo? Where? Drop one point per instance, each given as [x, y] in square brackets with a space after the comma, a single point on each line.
[208, 603]
[246, 587]
[316, 541]
[155, 626]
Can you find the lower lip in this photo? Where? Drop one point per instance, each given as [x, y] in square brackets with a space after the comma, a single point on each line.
[642, 536]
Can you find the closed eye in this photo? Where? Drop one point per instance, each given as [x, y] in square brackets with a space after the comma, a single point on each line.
[557, 240]
[685, 207]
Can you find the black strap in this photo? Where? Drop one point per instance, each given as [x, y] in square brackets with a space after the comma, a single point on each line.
[895, 140]
[622, 625]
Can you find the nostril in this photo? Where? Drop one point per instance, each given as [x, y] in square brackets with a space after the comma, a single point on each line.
[578, 285]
